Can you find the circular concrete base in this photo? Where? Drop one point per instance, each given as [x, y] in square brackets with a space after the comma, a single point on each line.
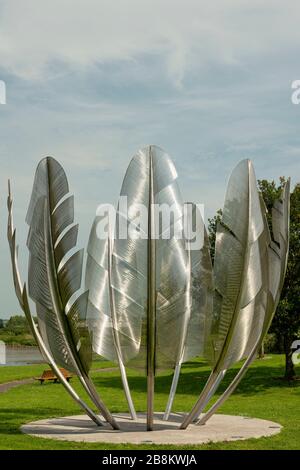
[218, 428]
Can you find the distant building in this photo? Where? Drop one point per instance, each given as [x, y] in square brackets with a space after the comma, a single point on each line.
[3, 323]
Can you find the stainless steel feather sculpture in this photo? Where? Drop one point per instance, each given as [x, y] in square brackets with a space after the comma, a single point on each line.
[101, 315]
[276, 252]
[149, 272]
[238, 273]
[199, 299]
[141, 286]
[54, 276]
[152, 299]
[22, 296]
[242, 273]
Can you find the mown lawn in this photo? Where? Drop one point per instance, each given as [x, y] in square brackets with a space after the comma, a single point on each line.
[262, 394]
[8, 374]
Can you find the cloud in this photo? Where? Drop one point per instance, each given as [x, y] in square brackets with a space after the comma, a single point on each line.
[90, 82]
[36, 37]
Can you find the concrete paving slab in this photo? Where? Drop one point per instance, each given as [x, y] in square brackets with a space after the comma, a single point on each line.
[218, 429]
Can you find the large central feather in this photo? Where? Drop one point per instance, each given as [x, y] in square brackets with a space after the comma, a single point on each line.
[150, 267]
[151, 173]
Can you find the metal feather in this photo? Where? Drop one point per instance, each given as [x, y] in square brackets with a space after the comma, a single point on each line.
[278, 250]
[101, 318]
[54, 278]
[21, 293]
[277, 261]
[200, 291]
[238, 267]
[238, 279]
[199, 299]
[148, 271]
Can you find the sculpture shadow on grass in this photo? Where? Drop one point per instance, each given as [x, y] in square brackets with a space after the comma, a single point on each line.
[258, 379]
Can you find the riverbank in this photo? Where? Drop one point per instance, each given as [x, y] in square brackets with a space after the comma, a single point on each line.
[18, 355]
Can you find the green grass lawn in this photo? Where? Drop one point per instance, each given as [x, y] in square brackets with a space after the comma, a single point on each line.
[261, 394]
[8, 374]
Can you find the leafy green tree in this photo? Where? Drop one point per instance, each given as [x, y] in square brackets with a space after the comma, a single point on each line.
[212, 230]
[286, 322]
[17, 324]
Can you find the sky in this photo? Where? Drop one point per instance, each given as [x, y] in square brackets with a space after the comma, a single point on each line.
[92, 81]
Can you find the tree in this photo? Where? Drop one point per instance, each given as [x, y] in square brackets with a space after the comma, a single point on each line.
[212, 230]
[17, 324]
[286, 322]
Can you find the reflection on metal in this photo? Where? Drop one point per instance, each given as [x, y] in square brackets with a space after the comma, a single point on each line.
[21, 294]
[152, 301]
[101, 318]
[199, 300]
[277, 263]
[247, 284]
[149, 274]
[53, 276]
[237, 277]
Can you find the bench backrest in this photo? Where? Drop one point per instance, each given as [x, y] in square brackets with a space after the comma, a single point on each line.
[48, 374]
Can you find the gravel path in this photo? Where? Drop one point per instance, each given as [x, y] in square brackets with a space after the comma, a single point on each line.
[15, 383]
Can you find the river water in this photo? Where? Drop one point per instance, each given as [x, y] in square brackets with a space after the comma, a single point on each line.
[21, 355]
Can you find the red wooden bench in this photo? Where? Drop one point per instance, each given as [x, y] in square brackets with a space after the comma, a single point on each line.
[49, 375]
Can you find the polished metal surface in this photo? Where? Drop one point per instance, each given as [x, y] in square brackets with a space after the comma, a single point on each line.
[130, 267]
[21, 293]
[151, 304]
[238, 272]
[149, 274]
[151, 301]
[101, 318]
[277, 262]
[199, 301]
[237, 268]
[261, 308]
[54, 276]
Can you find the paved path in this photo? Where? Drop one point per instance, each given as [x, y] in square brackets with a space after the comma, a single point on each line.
[218, 429]
[14, 383]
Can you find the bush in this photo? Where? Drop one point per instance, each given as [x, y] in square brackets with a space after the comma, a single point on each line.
[271, 343]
